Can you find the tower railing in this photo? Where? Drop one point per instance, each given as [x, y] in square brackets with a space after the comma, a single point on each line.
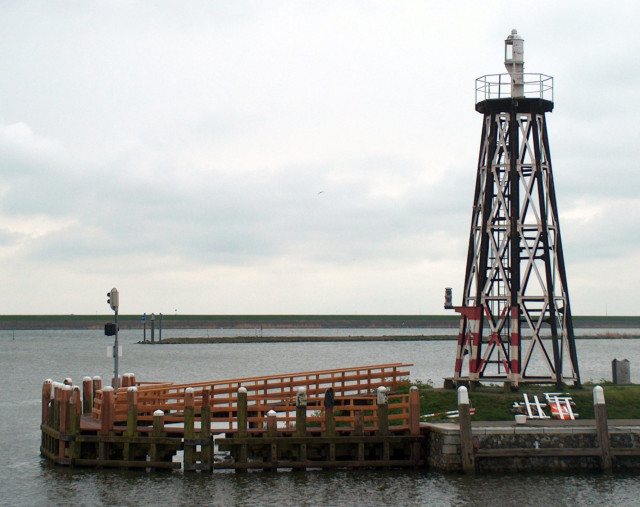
[498, 86]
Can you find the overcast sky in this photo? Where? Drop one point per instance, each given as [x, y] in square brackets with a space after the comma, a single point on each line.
[295, 157]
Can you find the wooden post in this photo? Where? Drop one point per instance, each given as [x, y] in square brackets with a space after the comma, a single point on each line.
[157, 432]
[65, 398]
[55, 398]
[466, 444]
[600, 410]
[242, 426]
[87, 395]
[47, 388]
[128, 452]
[128, 380]
[76, 399]
[272, 424]
[47, 391]
[414, 423]
[301, 412]
[97, 386]
[329, 417]
[358, 427]
[106, 414]
[301, 422]
[132, 411]
[242, 412]
[206, 451]
[272, 431]
[383, 411]
[106, 421]
[65, 402]
[189, 429]
[382, 400]
[358, 423]
[414, 411]
[75, 413]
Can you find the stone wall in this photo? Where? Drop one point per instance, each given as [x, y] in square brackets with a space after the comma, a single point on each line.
[515, 448]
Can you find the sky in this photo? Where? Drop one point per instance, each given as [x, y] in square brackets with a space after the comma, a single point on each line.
[295, 157]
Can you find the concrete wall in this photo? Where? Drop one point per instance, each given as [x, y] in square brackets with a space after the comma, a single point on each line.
[513, 448]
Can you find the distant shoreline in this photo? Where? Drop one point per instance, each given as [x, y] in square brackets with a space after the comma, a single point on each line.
[293, 339]
[449, 321]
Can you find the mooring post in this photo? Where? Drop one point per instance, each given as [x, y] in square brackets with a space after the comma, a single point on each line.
[75, 413]
[382, 400]
[132, 411]
[466, 444]
[189, 429]
[330, 422]
[55, 398]
[272, 423]
[414, 423]
[272, 431]
[206, 451]
[128, 451]
[76, 399]
[602, 429]
[156, 433]
[87, 395]
[106, 421]
[97, 386]
[329, 417]
[46, 399]
[301, 422]
[128, 380]
[47, 392]
[65, 398]
[242, 427]
[242, 412]
[301, 412]
[414, 411]
[65, 402]
[106, 412]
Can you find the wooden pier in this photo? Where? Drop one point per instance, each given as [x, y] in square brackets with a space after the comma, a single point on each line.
[347, 418]
[334, 418]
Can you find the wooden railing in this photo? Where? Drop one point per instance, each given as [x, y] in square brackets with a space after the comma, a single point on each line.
[354, 391]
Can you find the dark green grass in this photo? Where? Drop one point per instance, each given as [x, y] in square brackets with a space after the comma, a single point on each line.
[492, 404]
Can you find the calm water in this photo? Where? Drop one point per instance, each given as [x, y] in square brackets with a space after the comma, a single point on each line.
[31, 356]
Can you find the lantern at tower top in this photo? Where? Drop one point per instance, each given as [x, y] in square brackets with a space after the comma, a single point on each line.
[514, 62]
[515, 85]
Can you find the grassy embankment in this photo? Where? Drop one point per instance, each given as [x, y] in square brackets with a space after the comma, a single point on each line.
[491, 404]
[451, 321]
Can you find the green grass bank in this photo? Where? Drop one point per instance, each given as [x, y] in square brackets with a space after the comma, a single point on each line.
[9, 322]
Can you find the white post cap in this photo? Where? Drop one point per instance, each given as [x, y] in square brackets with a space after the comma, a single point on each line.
[598, 395]
[463, 396]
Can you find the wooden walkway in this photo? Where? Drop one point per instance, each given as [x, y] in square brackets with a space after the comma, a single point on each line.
[349, 417]
[351, 387]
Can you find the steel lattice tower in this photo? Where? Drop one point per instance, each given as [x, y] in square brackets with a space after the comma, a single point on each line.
[516, 321]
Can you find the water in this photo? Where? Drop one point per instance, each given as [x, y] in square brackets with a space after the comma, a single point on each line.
[25, 479]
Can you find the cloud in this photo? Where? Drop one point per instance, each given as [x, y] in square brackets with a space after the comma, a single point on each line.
[186, 146]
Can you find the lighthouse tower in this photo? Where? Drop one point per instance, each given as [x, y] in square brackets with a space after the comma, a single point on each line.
[516, 321]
